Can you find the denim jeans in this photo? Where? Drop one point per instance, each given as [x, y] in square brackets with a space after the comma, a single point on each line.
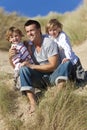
[63, 72]
[31, 79]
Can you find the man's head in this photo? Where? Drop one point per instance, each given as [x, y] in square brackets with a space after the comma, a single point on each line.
[33, 30]
[30, 22]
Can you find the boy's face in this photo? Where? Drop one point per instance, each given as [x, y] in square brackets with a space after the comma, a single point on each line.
[53, 32]
[15, 38]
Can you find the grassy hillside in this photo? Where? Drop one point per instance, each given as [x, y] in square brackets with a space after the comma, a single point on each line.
[74, 24]
[64, 110]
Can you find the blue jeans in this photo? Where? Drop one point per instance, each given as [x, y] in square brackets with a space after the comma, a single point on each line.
[62, 72]
[31, 79]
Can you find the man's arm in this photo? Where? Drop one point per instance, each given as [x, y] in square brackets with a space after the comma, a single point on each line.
[49, 67]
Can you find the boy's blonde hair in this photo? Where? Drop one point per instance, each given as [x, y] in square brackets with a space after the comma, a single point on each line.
[52, 23]
[12, 30]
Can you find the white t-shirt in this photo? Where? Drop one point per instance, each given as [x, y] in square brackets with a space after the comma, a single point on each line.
[49, 48]
[65, 48]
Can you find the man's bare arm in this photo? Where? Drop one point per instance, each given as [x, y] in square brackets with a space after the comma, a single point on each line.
[49, 67]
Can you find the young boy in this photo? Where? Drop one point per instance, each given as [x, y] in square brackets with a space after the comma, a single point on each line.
[14, 36]
[55, 32]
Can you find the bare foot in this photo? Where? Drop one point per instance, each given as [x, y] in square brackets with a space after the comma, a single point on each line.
[32, 108]
[61, 85]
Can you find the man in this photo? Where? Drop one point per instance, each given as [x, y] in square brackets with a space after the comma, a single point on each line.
[46, 57]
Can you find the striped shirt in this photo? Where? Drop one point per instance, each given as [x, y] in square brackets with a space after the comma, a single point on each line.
[22, 55]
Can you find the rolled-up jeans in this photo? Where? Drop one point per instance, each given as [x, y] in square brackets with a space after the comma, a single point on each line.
[31, 79]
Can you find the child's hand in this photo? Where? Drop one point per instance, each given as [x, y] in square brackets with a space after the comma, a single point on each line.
[12, 53]
[65, 60]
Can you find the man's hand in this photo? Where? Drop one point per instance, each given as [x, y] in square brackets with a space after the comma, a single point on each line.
[26, 63]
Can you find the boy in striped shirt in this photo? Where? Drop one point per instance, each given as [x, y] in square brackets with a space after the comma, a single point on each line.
[14, 36]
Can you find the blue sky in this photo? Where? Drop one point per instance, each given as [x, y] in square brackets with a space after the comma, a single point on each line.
[32, 8]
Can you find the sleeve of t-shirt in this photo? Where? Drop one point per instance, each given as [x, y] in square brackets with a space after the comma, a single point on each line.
[65, 44]
[52, 49]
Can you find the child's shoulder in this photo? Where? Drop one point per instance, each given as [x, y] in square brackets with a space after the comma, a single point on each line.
[62, 35]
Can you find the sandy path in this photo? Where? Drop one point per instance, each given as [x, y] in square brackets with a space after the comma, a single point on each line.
[4, 63]
[81, 51]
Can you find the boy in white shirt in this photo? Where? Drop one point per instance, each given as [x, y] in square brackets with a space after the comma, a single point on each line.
[54, 30]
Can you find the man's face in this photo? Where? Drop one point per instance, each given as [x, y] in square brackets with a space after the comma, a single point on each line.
[32, 32]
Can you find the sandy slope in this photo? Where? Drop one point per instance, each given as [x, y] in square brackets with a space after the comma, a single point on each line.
[4, 62]
[81, 51]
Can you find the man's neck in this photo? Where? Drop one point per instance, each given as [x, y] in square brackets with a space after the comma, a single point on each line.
[38, 44]
[39, 41]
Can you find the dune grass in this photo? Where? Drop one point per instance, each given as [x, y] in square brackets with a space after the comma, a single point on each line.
[74, 24]
[65, 110]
